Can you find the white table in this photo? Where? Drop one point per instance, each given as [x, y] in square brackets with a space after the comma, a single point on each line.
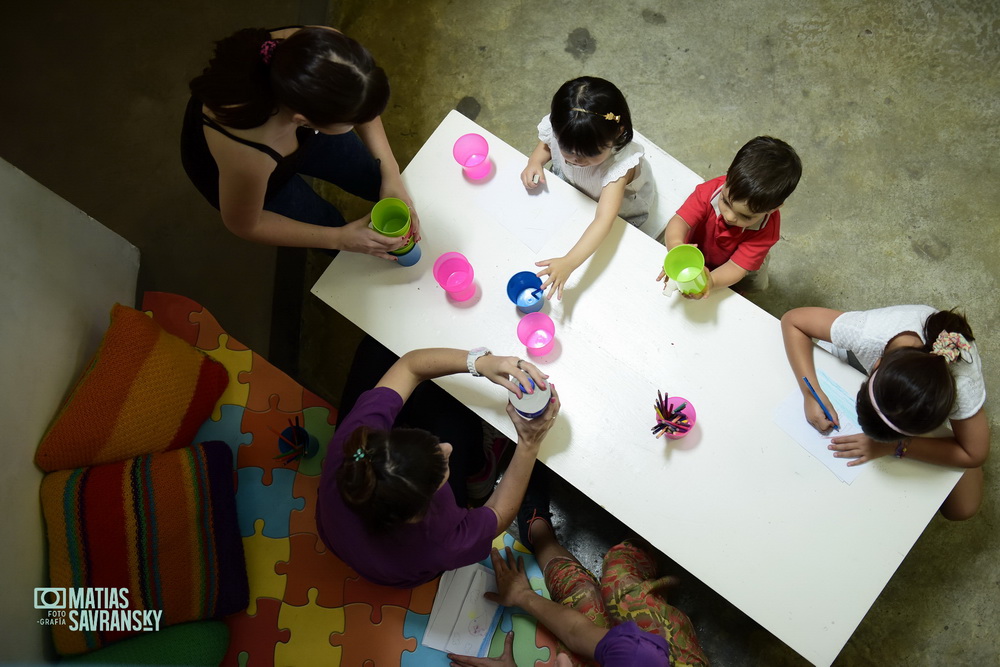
[738, 503]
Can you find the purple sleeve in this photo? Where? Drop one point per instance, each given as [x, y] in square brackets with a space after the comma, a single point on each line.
[626, 645]
[468, 534]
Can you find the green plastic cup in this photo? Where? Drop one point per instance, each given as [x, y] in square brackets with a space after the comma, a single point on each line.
[685, 265]
[391, 217]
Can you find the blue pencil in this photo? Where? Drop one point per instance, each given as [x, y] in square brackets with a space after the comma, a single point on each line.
[816, 396]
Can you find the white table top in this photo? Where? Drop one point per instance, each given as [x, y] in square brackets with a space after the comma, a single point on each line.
[738, 503]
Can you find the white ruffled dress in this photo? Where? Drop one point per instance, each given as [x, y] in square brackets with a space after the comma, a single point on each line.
[639, 194]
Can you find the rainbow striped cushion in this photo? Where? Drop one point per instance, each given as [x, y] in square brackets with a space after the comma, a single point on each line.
[145, 391]
[162, 526]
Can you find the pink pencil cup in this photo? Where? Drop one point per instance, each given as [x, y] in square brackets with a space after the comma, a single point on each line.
[471, 151]
[673, 402]
[538, 333]
[453, 272]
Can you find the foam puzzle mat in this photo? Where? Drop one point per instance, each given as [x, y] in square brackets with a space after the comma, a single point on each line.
[307, 607]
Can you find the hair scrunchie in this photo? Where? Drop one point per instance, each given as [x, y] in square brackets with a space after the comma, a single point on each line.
[267, 50]
[951, 346]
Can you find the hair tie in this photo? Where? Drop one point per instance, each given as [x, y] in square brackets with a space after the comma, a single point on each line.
[951, 346]
[605, 116]
[267, 50]
[871, 396]
[359, 454]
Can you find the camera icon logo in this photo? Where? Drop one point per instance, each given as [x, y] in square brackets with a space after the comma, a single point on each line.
[50, 598]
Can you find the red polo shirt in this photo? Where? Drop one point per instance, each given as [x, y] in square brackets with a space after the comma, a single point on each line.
[720, 242]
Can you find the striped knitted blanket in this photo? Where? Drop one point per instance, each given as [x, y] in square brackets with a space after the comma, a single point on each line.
[157, 533]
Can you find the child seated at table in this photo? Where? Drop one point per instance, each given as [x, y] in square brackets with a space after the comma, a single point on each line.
[734, 219]
[588, 137]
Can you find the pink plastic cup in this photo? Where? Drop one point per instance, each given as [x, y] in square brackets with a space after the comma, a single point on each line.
[453, 272]
[471, 151]
[538, 333]
[674, 402]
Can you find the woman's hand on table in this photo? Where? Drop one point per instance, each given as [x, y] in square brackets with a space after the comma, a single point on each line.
[555, 272]
[531, 432]
[358, 237]
[859, 447]
[500, 369]
[393, 187]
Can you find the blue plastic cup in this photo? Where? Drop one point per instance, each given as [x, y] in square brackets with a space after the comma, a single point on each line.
[524, 289]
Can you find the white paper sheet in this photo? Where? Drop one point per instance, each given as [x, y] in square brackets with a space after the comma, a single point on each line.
[462, 621]
[788, 415]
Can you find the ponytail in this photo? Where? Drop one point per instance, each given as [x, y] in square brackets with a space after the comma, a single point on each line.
[388, 478]
[236, 84]
[322, 74]
[945, 320]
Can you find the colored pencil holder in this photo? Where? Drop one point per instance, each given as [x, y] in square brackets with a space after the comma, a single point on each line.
[391, 217]
[525, 290]
[471, 151]
[685, 265]
[688, 413]
[538, 333]
[454, 274]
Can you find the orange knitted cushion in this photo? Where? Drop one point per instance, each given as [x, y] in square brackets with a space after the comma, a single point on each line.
[145, 391]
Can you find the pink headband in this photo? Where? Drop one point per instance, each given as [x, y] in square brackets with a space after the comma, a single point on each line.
[885, 420]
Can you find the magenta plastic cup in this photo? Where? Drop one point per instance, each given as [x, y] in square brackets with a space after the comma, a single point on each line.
[453, 272]
[525, 290]
[471, 151]
[538, 333]
[687, 412]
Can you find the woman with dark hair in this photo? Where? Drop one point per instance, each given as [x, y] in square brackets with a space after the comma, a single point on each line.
[387, 498]
[923, 367]
[276, 104]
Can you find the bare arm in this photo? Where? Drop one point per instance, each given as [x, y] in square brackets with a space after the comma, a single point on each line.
[558, 270]
[507, 497]
[373, 136]
[676, 233]
[798, 327]
[536, 166]
[428, 363]
[243, 175]
[574, 629]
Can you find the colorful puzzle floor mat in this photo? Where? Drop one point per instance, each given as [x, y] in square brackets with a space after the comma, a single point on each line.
[306, 606]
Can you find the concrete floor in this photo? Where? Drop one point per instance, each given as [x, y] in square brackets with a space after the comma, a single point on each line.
[894, 108]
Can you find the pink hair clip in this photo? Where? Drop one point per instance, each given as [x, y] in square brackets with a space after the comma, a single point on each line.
[267, 50]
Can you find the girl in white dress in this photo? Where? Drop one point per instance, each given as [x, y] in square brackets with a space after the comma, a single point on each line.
[588, 138]
[923, 368]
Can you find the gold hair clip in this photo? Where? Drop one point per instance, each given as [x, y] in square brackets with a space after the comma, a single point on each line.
[605, 116]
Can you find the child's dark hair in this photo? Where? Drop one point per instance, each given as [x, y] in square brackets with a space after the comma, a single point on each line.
[388, 478]
[322, 74]
[763, 173]
[579, 117]
[913, 388]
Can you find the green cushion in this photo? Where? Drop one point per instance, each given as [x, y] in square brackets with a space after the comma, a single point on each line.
[195, 644]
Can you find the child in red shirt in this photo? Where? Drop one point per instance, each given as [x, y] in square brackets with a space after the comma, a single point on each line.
[734, 219]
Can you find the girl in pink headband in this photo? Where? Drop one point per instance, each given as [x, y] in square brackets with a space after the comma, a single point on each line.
[924, 368]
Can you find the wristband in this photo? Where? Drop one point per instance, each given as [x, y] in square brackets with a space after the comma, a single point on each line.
[470, 361]
[900, 449]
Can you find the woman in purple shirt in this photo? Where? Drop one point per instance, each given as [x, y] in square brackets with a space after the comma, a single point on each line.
[385, 507]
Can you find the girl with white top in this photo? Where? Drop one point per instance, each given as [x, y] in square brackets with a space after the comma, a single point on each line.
[588, 138]
[923, 367]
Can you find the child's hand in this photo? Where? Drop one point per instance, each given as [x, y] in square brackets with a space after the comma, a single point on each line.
[556, 273]
[532, 175]
[814, 412]
[709, 284]
[859, 447]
